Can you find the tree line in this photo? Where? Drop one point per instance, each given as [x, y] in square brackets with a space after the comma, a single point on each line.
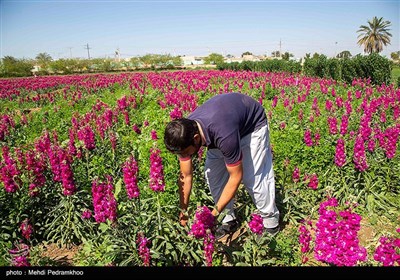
[372, 37]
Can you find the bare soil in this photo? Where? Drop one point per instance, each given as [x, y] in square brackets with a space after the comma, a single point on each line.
[60, 255]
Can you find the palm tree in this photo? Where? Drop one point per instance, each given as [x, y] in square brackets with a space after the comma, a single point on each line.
[374, 36]
[44, 59]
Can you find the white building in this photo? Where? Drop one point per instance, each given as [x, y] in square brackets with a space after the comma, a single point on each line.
[192, 60]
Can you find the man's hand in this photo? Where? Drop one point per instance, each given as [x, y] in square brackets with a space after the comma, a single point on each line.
[183, 218]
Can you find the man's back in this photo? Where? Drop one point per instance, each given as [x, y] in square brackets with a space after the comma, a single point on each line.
[226, 118]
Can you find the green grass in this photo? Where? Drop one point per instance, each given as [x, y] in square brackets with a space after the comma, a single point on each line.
[395, 74]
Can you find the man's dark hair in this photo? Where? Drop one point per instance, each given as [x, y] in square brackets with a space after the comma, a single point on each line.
[179, 134]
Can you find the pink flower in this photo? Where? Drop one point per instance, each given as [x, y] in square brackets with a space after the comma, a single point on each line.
[20, 254]
[340, 154]
[344, 125]
[87, 214]
[104, 202]
[313, 184]
[386, 251]
[143, 249]
[86, 135]
[136, 129]
[307, 138]
[201, 228]
[275, 101]
[67, 176]
[154, 135]
[176, 113]
[203, 221]
[9, 171]
[332, 121]
[305, 239]
[296, 174]
[26, 229]
[156, 180]
[256, 224]
[130, 171]
[359, 157]
[336, 238]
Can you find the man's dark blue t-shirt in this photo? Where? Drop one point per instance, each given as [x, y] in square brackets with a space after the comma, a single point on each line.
[225, 119]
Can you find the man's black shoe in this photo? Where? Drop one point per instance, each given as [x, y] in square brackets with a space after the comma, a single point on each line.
[268, 233]
[226, 228]
[272, 231]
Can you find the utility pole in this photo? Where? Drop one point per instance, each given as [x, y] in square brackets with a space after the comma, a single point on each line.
[118, 55]
[280, 48]
[87, 47]
[70, 52]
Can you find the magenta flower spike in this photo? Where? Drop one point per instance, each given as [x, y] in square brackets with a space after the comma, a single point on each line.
[156, 181]
[340, 153]
[143, 248]
[256, 224]
[130, 171]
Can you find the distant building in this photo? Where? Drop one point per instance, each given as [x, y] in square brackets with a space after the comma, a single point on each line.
[35, 70]
[247, 57]
[250, 57]
[233, 59]
[192, 60]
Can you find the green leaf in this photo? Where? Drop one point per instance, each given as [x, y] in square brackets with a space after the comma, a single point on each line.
[103, 227]
[117, 188]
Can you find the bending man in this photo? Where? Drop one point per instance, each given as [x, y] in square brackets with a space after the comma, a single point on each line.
[234, 128]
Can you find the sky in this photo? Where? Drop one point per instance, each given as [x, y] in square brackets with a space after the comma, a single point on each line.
[99, 29]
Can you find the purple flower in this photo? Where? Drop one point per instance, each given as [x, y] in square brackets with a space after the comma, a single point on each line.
[340, 154]
[87, 214]
[26, 229]
[156, 180]
[203, 221]
[256, 224]
[130, 171]
[143, 249]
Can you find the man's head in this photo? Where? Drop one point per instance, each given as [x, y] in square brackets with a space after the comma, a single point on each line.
[182, 137]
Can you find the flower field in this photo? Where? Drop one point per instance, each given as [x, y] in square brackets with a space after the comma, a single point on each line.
[82, 163]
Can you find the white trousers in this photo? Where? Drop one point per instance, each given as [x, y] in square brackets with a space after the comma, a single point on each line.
[258, 176]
